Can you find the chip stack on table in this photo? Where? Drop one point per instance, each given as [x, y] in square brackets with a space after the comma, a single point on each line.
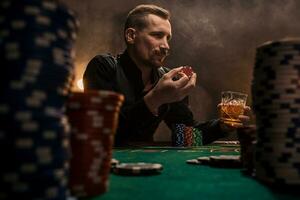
[93, 116]
[197, 137]
[178, 135]
[247, 138]
[36, 49]
[276, 103]
[188, 136]
[185, 136]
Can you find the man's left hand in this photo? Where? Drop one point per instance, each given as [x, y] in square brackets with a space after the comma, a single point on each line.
[245, 118]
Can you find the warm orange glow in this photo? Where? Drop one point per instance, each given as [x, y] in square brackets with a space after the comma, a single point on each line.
[80, 84]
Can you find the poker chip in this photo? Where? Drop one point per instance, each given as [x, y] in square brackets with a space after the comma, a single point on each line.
[114, 162]
[93, 116]
[37, 73]
[193, 162]
[188, 136]
[276, 102]
[203, 160]
[222, 161]
[178, 133]
[187, 70]
[138, 169]
[197, 137]
[225, 161]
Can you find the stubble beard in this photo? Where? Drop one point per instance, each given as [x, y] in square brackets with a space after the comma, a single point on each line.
[153, 62]
[157, 58]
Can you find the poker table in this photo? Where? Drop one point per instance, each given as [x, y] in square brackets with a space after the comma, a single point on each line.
[180, 180]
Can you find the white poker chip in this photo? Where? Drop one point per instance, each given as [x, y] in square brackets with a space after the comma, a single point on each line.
[138, 169]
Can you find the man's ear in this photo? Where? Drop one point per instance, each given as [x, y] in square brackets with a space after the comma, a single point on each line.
[130, 35]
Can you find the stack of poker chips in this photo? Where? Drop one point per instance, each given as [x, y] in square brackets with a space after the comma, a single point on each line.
[93, 116]
[276, 102]
[36, 50]
[185, 136]
[247, 138]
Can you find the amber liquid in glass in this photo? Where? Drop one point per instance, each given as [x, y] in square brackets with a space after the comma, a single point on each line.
[230, 113]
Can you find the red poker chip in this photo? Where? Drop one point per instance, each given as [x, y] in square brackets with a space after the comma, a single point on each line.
[93, 116]
[187, 70]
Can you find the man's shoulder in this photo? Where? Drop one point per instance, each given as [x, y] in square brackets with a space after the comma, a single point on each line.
[104, 64]
[106, 59]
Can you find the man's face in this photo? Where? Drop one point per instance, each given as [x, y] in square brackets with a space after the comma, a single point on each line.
[151, 44]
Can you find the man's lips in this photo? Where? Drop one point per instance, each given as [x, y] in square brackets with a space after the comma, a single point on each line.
[161, 52]
[161, 58]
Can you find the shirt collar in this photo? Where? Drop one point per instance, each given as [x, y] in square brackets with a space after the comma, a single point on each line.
[134, 74]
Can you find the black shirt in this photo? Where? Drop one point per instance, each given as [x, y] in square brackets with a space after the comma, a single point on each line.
[136, 122]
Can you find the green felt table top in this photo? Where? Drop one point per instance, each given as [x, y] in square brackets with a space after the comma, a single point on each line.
[183, 181]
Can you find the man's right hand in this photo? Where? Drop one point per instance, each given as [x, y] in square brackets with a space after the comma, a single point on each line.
[169, 90]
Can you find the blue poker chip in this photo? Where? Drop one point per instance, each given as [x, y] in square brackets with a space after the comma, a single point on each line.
[55, 57]
[35, 185]
[33, 136]
[36, 106]
[58, 13]
[178, 135]
[43, 105]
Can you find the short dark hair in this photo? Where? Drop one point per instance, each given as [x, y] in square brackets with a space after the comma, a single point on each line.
[136, 18]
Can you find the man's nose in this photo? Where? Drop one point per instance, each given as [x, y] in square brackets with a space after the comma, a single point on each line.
[165, 47]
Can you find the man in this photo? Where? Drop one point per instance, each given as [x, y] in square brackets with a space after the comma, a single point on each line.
[152, 93]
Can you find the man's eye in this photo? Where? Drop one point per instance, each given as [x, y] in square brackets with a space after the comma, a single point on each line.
[158, 35]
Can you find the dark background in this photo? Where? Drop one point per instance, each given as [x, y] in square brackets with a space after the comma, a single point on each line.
[216, 37]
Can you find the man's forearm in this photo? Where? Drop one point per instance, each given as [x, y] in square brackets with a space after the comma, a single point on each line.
[211, 131]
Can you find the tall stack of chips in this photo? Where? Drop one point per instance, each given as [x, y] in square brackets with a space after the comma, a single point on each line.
[36, 50]
[94, 117]
[276, 102]
[185, 136]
